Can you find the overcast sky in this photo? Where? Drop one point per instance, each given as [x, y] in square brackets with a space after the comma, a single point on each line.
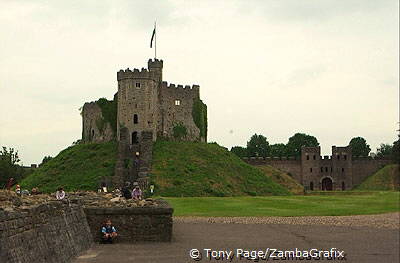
[329, 68]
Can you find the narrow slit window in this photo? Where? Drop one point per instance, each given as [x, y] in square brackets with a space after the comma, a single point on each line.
[310, 170]
[135, 119]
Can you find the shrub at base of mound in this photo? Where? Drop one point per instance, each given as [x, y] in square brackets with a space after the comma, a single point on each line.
[79, 167]
[386, 179]
[201, 169]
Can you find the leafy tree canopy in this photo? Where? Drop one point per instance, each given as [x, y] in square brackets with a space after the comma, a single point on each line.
[239, 151]
[359, 146]
[258, 146]
[384, 150]
[278, 150]
[9, 167]
[297, 141]
[396, 151]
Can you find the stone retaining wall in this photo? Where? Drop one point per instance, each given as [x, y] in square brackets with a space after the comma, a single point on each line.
[51, 232]
[134, 224]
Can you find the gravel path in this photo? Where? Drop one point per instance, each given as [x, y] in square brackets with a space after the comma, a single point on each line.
[388, 220]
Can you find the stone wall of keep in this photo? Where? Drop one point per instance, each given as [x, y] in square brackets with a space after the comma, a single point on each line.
[51, 232]
[172, 115]
[133, 224]
[92, 118]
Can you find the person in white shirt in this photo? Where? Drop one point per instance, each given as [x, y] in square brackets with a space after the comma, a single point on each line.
[60, 194]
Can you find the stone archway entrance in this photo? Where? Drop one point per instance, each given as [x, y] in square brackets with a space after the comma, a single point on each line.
[134, 138]
[327, 184]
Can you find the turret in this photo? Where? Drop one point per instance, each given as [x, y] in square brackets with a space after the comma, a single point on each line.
[156, 65]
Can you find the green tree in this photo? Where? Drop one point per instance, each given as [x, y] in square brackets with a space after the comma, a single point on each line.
[9, 167]
[359, 146]
[239, 151]
[278, 150]
[297, 141]
[384, 150]
[258, 146]
[396, 151]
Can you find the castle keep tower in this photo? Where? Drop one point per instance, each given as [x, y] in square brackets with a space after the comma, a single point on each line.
[144, 108]
[145, 103]
[137, 101]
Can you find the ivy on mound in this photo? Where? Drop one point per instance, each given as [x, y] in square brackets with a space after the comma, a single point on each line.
[201, 169]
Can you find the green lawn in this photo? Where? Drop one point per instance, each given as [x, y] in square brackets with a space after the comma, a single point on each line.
[326, 205]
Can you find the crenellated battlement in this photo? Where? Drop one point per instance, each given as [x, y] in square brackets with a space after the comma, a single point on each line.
[155, 63]
[165, 85]
[146, 103]
[136, 74]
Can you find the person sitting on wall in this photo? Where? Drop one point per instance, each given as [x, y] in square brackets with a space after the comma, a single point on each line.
[136, 193]
[60, 194]
[109, 232]
[126, 192]
[18, 189]
[34, 191]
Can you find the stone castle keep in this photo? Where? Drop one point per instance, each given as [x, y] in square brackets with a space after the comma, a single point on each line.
[144, 108]
[146, 103]
[340, 171]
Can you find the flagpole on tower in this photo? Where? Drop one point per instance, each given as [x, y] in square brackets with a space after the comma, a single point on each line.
[154, 36]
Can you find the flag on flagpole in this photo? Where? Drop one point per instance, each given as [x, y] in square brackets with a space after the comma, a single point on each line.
[152, 36]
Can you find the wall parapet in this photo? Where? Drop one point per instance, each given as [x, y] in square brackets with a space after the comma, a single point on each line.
[136, 74]
[165, 85]
[35, 232]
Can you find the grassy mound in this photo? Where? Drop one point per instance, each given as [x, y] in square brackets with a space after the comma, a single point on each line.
[282, 178]
[77, 167]
[387, 178]
[200, 169]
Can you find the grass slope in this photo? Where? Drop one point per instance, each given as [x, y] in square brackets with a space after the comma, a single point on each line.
[282, 178]
[387, 178]
[201, 169]
[334, 205]
[77, 167]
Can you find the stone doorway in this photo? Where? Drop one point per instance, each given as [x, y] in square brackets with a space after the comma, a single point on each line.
[327, 184]
[135, 138]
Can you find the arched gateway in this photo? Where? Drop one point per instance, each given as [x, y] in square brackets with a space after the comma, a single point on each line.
[327, 184]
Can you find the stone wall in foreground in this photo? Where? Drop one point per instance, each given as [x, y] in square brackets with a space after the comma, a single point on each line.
[134, 224]
[51, 232]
